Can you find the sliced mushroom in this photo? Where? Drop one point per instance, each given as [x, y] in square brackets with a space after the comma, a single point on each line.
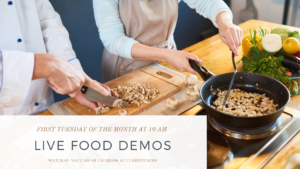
[146, 101]
[136, 102]
[123, 112]
[242, 103]
[141, 97]
[118, 103]
[105, 110]
[136, 94]
[100, 110]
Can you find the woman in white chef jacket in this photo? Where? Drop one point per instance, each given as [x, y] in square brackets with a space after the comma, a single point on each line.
[31, 38]
[136, 33]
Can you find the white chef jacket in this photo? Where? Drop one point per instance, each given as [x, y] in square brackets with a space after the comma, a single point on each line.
[28, 27]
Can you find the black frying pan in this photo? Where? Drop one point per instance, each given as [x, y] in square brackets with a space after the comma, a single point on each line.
[271, 87]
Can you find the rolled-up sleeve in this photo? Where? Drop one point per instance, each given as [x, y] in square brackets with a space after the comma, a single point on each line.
[15, 73]
[56, 36]
[111, 28]
[209, 8]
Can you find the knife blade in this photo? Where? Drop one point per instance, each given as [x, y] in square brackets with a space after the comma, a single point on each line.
[93, 95]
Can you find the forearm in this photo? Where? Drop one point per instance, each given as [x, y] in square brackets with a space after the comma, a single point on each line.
[223, 17]
[143, 52]
[41, 65]
[178, 59]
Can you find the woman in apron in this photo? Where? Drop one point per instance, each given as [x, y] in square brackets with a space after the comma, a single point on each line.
[137, 33]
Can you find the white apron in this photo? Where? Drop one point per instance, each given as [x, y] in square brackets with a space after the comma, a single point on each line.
[150, 22]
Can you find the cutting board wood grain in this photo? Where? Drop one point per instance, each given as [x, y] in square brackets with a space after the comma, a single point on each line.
[167, 82]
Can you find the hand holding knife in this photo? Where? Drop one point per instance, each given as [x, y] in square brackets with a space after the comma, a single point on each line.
[93, 95]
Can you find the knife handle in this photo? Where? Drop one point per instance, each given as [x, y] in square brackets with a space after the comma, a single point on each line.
[84, 89]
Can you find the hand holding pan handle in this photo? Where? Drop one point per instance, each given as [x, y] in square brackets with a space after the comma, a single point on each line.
[204, 73]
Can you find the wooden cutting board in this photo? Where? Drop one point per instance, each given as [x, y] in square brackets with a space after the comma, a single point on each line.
[167, 82]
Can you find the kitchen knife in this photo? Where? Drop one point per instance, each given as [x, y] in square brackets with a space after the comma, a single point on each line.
[93, 95]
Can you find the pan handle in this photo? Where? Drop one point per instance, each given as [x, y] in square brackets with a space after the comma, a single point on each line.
[203, 72]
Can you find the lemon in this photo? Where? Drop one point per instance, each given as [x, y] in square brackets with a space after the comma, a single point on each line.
[291, 45]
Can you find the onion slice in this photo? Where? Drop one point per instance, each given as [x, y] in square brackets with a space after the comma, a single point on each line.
[271, 43]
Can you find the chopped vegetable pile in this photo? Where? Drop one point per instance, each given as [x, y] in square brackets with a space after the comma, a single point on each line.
[242, 103]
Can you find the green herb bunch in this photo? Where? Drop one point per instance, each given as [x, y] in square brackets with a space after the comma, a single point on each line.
[266, 63]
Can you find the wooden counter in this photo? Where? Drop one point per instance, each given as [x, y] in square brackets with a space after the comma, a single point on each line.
[216, 57]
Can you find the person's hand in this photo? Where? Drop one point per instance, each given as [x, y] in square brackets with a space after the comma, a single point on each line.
[80, 98]
[230, 34]
[65, 78]
[180, 60]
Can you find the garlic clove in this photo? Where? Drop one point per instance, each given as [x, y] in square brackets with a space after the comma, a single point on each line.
[191, 80]
[123, 112]
[172, 103]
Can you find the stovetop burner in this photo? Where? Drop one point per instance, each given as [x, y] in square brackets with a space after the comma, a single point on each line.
[219, 154]
[246, 133]
[255, 153]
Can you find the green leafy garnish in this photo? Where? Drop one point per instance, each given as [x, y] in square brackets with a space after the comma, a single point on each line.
[295, 34]
[263, 32]
[254, 37]
[266, 63]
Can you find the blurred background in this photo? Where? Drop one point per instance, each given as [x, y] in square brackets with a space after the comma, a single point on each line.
[78, 18]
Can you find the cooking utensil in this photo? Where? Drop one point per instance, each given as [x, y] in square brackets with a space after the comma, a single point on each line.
[232, 80]
[247, 82]
[95, 96]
